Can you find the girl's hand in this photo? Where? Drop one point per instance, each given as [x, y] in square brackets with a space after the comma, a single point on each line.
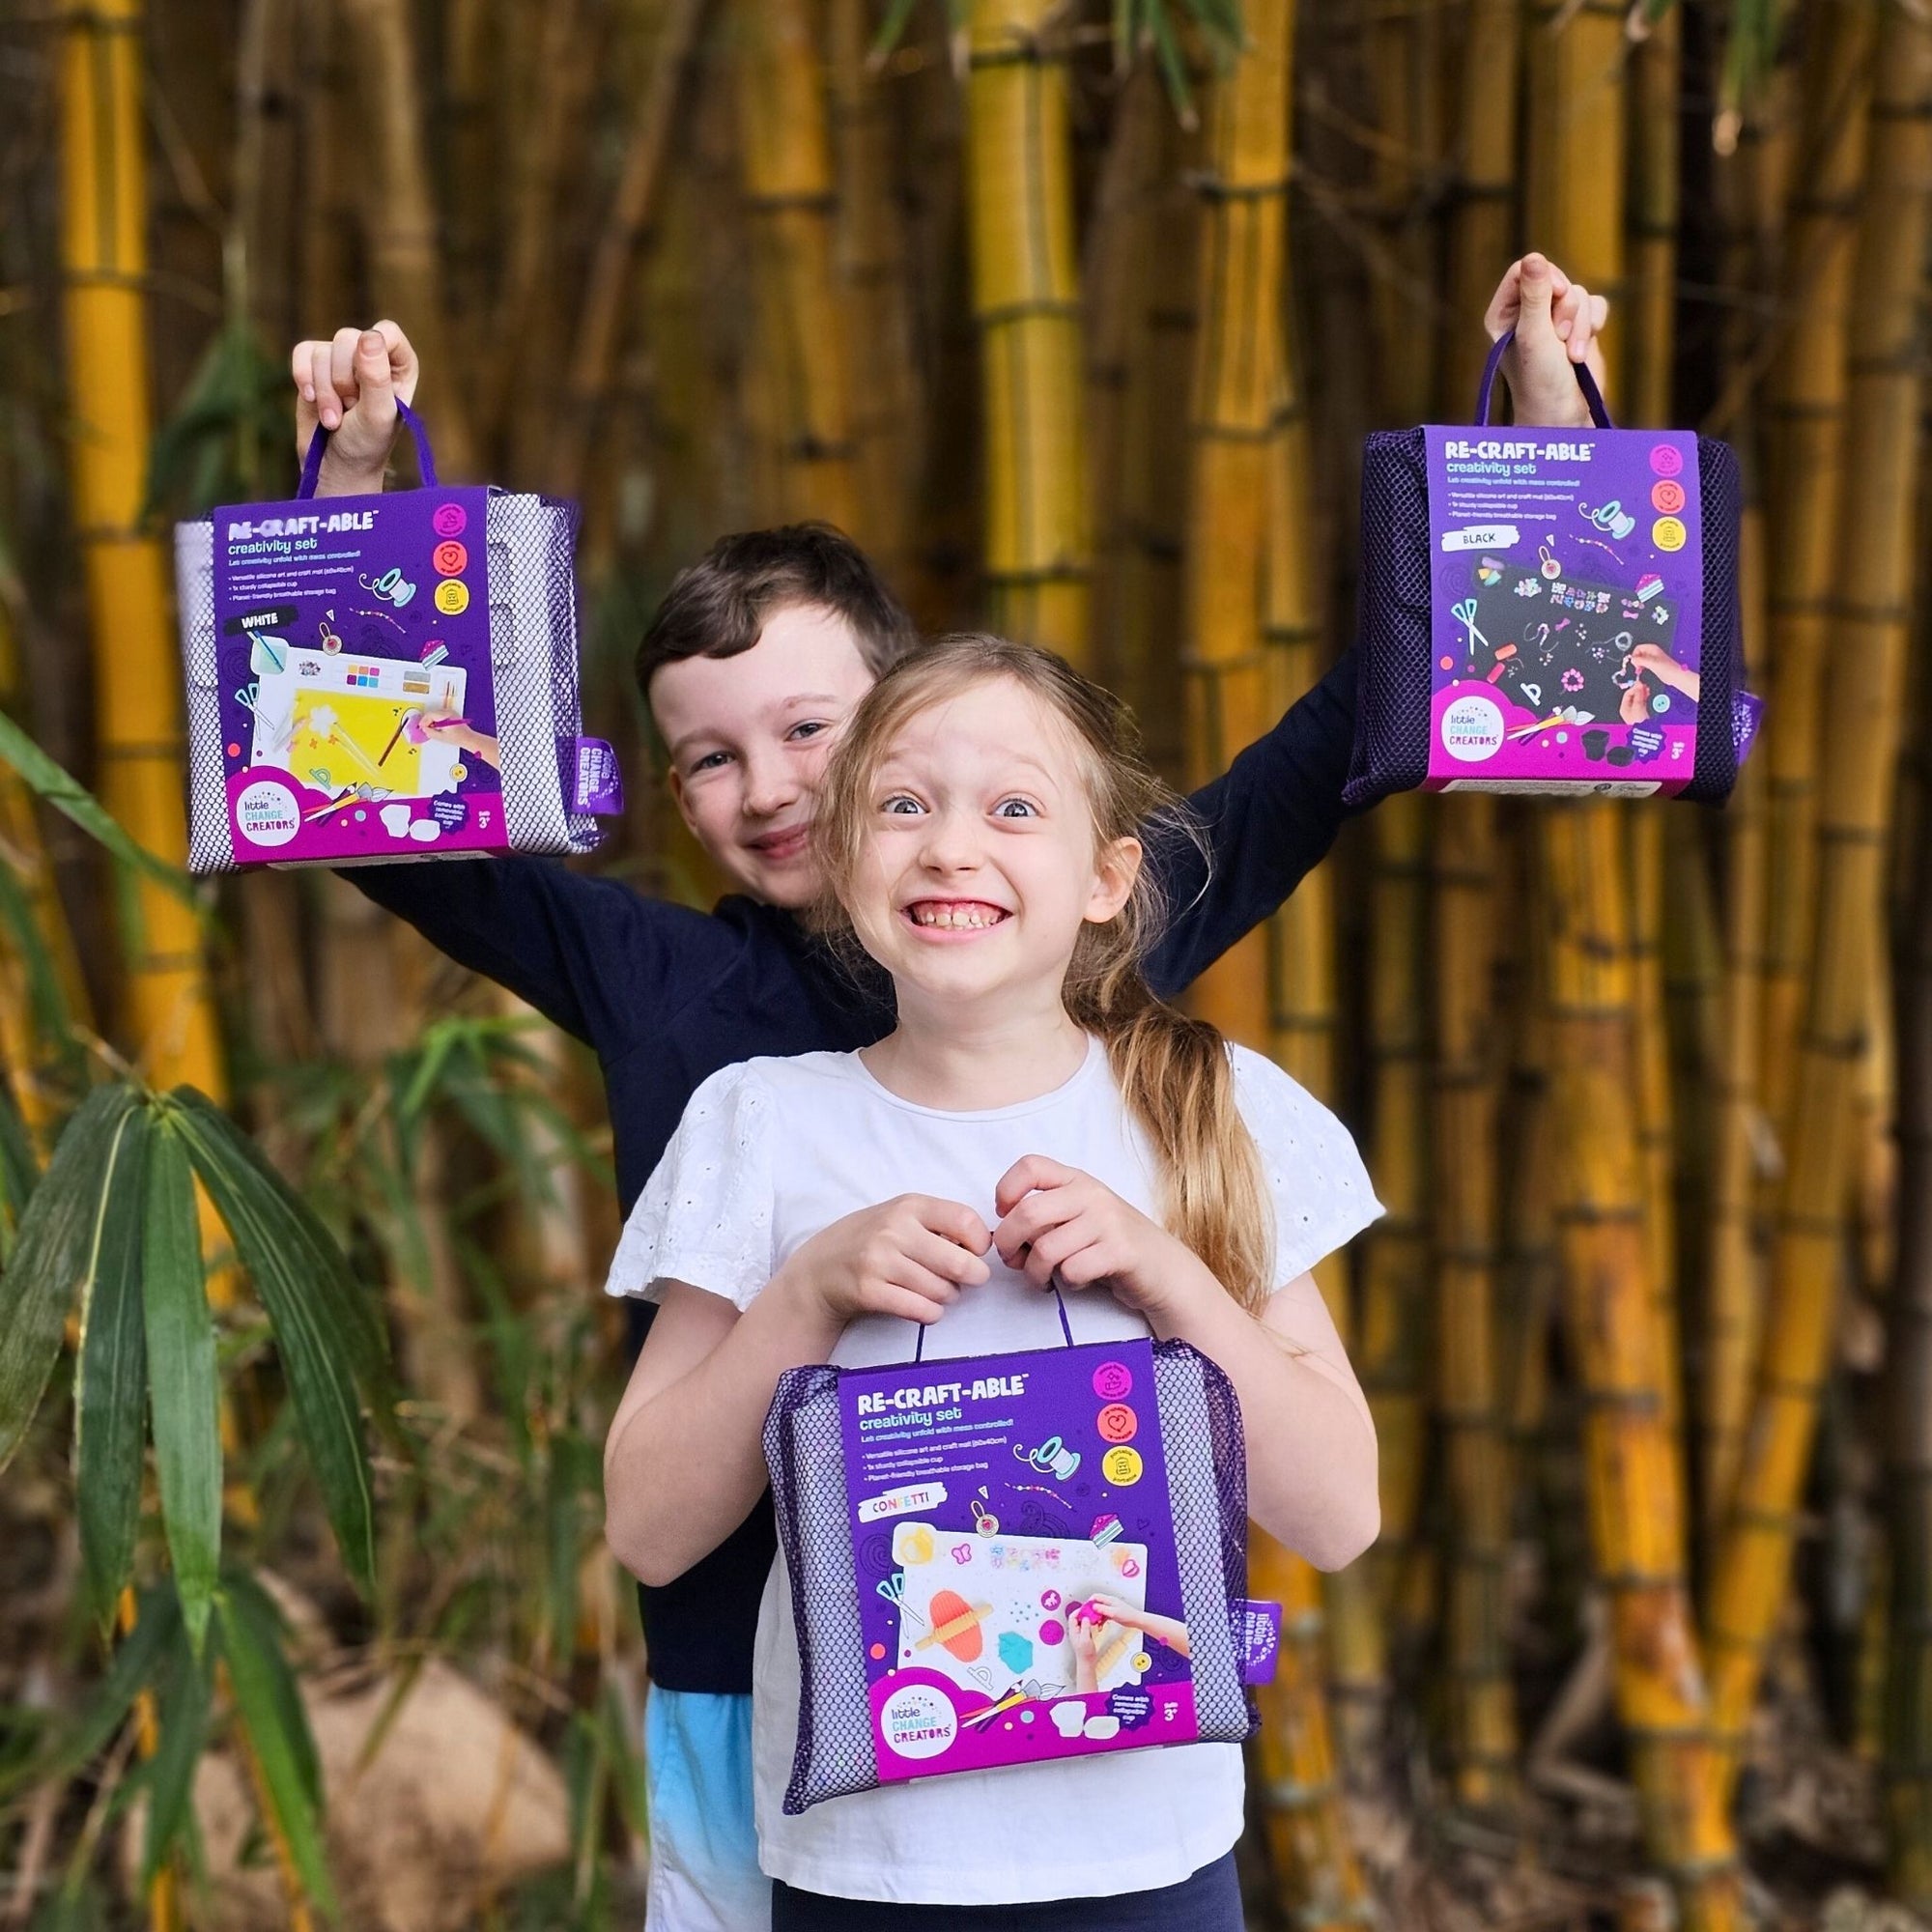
[1170, 1631]
[908, 1257]
[1635, 706]
[1085, 1637]
[350, 385]
[1556, 323]
[1665, 669]
[1060, 1221]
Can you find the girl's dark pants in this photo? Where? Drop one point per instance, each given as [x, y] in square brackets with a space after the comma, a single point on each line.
[1207, 1901]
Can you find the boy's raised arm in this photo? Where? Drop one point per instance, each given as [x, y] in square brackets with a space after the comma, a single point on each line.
[1271, 818]
[591, 955]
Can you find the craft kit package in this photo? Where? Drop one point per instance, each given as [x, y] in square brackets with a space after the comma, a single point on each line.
[1549, 611]
[1014, 1559]
[375, 678]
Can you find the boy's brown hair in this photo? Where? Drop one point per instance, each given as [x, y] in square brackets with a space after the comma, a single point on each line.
[719, 606]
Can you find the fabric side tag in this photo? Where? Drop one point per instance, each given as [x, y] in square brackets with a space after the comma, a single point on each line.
[1261, 1638]
[597, 786]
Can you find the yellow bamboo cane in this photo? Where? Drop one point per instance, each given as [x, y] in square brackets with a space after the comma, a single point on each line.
[1648, 361]
[1862, 689]
[137, 663]
[1805, 426]
[1468, 1393]
[1636, 1521]
[786, 162]
[1636, 1476]
[1026, 301]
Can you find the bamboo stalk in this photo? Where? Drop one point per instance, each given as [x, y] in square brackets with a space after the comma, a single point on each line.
[1861, 737]
[1154, 462]
[1026, 301]
[1734, 1271]
[886, 409]
[1805, 430]
[167, 1014]
[1636, 1493]
[1483, 219]
[1468, 1393]
[1907, 1727]
[1115, 278]
[399, 217]
[599, 335]
[786, 156]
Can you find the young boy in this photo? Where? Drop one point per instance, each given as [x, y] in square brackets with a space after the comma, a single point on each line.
[755, 658]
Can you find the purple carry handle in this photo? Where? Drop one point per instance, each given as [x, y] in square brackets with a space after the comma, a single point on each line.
[1587, 383]
[319, 442]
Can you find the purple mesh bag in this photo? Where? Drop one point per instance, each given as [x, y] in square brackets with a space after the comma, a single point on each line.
[1391, 750]
[555, 781]
[1205, 1459]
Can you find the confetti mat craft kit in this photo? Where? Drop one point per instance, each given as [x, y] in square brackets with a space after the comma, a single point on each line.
[375, 678]
[947, 1528]
[1549, 611]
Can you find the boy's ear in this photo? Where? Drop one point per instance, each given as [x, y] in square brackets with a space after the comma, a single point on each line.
[1115, 872]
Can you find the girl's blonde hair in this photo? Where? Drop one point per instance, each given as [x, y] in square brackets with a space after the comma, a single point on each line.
[1173, 1072]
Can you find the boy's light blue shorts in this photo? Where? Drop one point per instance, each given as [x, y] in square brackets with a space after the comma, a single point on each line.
[704, 1847]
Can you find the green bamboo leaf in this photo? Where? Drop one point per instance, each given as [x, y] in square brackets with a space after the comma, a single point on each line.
[326, 1330]
[897, 13]
[51, 1257]
[182, 1383]
[53, 1025]
[111, 1388]
[73, 800]
[271, 1713]
[182, 1717]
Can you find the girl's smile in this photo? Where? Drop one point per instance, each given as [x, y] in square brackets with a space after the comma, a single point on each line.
[941, 920]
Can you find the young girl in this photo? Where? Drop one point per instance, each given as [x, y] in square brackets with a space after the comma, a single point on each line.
[1037, 1119]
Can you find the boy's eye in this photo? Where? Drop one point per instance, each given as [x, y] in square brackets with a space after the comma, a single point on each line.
[811, 728]
[709, 762]
[1015, 808]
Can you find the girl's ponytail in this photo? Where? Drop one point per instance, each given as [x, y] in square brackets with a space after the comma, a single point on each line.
[1179, 1084]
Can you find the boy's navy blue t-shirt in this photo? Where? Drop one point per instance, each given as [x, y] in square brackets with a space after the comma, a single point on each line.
[667, 995]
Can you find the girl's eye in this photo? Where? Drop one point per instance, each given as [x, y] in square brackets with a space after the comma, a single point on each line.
[900, 805]
[1015, 808]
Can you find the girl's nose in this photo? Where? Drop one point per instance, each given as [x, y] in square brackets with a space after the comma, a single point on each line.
[949, 845]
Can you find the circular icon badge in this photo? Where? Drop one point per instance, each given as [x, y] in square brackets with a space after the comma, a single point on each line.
[1472, 728]
[1666, 460]
[918, 1721]
[268, 812]
[1666, 496]
[1118, 1423]
[1122, 1468]
[452, 597]
[452, 520]
[449, 559]
[1111, 1381]
[1142, 1664]
[1668, 533]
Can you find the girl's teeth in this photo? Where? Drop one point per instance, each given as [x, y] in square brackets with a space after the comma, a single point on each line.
[952, 916]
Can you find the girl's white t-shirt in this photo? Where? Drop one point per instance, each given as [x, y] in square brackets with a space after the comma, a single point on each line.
[771, 1151]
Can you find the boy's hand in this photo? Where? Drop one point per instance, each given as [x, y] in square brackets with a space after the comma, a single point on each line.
[1557, 323]
[351, 384]
[908, 1257]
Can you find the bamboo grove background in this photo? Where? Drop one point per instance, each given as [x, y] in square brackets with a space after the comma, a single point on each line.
[1075, 316]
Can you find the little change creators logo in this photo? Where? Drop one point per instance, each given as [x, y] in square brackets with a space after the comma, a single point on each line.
[918, 1721]
[1472, 728]
[268, 812]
